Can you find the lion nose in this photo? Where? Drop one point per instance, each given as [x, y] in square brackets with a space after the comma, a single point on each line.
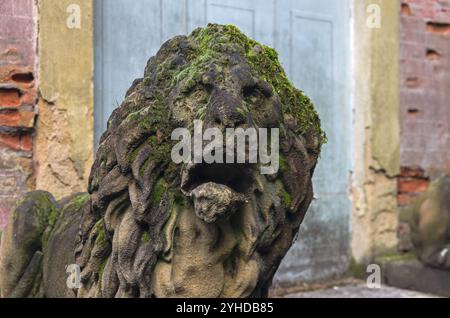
[225, 110]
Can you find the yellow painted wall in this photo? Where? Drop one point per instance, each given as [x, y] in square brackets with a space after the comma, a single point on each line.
[64, 141]
[376, 61]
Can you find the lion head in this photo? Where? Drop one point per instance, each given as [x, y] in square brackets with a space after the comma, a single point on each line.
[158, 229]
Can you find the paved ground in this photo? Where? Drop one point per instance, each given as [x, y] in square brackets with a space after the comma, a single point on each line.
[359, 291]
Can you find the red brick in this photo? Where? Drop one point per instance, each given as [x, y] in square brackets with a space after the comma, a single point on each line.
[438, 28]
[26, 142]
[10, 141]
[26, 119]
[21, 118]
[406, 9]
[412, 172]
[433, 54]
[412, 82]
[9, 119]
[9, 97]
[410, 185]
[29, 98]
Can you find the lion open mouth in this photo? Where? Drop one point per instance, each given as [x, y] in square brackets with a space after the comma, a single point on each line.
[217, 190]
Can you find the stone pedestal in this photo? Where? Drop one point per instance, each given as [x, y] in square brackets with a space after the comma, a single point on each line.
[412, 274]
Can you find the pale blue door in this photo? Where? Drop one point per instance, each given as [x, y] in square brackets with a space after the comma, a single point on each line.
[312, 37]
[313, 42]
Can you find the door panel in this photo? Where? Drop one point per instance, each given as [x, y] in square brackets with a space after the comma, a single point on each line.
[313, 43]
[312, 38]
[253, 17]
[126, 35]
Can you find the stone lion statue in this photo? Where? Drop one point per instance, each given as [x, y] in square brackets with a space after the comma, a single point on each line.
[148, 227]
[430, 224]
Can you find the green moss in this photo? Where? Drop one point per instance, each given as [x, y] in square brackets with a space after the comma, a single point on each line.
[154, 120]
[78, 201]
[296, 103]
[159, 189]
[178, 198]
[282, 163]
[133, 154]
[101, 233]
[394, 256]
[145, 237]
[287, 199]
[100, 240]
[53, 217]
[47, 211]
[155, 117]
[214, 40]
[51, 213]
[209, 48]
[357, 270]
[160, 151]
[147, 81]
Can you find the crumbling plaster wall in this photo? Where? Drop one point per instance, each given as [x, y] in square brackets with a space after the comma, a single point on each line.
[376, 129]
[64, 141]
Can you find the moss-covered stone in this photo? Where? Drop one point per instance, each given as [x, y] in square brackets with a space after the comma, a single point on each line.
[212, 42]
[145, 237]
[429, 222]
[287, 199]
[159, 190]
[101, 237]
[146, 215]
[357, 270]
[395, 256]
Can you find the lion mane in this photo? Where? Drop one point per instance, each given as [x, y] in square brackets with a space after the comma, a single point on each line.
[137, 234]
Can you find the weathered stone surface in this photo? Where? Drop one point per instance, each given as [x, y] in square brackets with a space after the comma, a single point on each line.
[213, 201]
[414, 275]
[64, 138]
[429, 220]
[360, 291]
[153, 228]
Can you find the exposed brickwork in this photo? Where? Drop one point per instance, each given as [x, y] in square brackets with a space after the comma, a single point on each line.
[411, 183]
[424, 94]
[18, 96]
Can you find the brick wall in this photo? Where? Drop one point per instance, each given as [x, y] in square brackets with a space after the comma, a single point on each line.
[424, 95]
[18, 96]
